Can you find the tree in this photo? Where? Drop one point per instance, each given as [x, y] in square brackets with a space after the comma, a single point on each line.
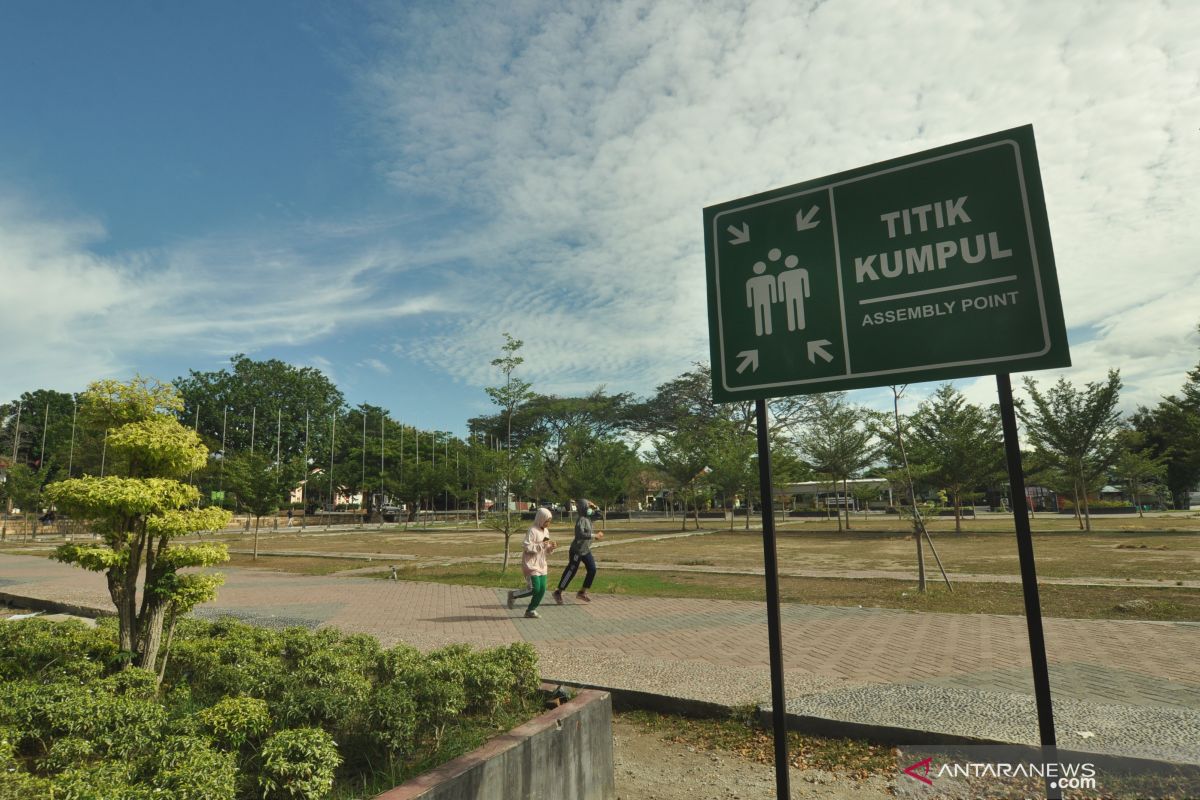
[733, 457]
[1137, 467]
[836, 441]
[140, 514]
[1172, 433]
[601, 469]
[959, 444]
[1075, 431]
[259, 484]
[22, 488]
[510, 396]
[242, 407]
[681, 457]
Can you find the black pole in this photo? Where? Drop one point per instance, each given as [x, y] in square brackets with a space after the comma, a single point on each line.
[1033, 606]
[774, 632]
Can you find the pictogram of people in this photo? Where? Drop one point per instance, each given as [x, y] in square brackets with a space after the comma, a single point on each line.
[793, 291]
[791, 287]
[761, 293]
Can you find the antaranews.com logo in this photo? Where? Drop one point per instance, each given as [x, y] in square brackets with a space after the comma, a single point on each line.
[1056, 774]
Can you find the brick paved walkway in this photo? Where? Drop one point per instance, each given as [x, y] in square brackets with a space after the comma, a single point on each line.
[711, 643]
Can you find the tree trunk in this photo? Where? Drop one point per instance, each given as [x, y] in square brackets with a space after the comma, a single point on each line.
[957, 513]
[920, 559]
[162, 667]
[1087, 516]
[1079, 517]
[256, 519]
[153, 615]
[507, 537]
[846, 500]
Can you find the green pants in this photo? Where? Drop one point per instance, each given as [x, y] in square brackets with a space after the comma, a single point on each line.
[538, 582]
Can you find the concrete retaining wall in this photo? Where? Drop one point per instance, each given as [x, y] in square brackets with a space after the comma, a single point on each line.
[564, 754]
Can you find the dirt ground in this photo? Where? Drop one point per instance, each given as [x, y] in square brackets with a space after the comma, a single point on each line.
[649, 767]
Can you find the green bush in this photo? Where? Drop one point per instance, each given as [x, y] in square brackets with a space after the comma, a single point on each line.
[242, 712]
[232, 721]
[1094, 505]
[298, 763]
[190, 768]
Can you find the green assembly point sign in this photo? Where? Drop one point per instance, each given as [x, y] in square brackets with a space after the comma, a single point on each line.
[933, 266]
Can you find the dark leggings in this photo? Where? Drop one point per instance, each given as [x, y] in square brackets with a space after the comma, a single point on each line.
[573, 566]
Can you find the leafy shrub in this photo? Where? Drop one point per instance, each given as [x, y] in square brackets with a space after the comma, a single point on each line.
[298, 763]
[393, 717]
[77, 722]
[232, 721]
[1094, 505]
[189, 768]
[65, 752]
[52, 650]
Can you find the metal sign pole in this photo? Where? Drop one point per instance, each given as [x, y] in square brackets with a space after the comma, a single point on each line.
[1033, 607]
[774, 632]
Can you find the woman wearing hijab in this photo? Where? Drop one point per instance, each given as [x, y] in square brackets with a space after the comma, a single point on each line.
[536, 547]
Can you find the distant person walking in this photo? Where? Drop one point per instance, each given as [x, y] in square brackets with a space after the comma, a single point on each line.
[536, 547]
[581, 553]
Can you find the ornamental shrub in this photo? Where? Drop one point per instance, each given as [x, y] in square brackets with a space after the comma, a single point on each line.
[242, 712]
[298, 763]
[233, 721]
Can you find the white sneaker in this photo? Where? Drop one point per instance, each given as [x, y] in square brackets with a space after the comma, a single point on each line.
[532, 614]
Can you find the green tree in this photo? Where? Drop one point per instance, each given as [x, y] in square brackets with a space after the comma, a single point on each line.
[260, 485]
[1075, 431]
[22, 488]
[959, 444]
[600, 469]
[253, 405]
[1137, 467]
[1172, 433]
[138, 515]
[681, 455]
[732, 455]
[837, 441]
[509, 396]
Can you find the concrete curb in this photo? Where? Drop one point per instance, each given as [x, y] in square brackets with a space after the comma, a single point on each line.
[54, 606]
[632, 699]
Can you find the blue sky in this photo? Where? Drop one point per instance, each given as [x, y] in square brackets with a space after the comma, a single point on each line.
[381, 189]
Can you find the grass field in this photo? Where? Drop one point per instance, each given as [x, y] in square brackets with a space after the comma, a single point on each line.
[651, 558]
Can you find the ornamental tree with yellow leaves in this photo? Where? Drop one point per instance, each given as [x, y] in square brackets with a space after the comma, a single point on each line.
[140, 508]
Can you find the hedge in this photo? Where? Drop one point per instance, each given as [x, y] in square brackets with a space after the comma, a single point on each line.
[242, 712]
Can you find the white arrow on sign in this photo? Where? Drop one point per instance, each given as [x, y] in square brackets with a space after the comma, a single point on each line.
[749, 359]
[817, 348]
[806, 221]
[740, 236]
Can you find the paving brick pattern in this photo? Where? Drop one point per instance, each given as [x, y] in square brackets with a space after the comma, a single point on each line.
[1136, 663]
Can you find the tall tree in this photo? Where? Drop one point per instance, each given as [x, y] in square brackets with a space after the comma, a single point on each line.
[260, 485]
[509, 396]
[1076, 431]
[237, 408]
[1172, 433]
[681, 456]
[837, 441]
[139, 514]
[600, 469]
[1137, 467]
[960, 444]
[732, 454]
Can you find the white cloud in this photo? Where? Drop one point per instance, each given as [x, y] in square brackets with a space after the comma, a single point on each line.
[590, 136]
[70, 316]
